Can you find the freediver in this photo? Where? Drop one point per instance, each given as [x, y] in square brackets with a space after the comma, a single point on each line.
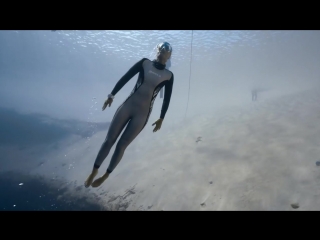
[136, 109]
[254, 94]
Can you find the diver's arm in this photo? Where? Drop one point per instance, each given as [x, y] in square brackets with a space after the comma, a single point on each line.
[167, 97]
[130, 74]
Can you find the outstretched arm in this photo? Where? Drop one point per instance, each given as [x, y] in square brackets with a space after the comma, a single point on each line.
[167, 97]
[130, 74]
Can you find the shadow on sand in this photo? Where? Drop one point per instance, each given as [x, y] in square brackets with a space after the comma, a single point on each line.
[20, 192]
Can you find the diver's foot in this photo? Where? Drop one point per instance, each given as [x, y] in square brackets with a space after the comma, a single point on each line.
[100, 180]
[89, 180]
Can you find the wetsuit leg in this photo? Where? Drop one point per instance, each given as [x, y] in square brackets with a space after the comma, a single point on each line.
[132, 130]
[120, 119]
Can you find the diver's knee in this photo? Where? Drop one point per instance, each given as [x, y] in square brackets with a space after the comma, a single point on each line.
[109, 141]
[122, 145]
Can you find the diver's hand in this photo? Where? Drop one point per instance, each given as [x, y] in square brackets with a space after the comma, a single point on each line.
[106, 103]
[158, 124]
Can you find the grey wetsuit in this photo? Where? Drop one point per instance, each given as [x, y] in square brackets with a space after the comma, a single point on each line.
[136, 109]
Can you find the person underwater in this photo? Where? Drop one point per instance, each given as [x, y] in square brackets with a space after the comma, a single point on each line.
[134, 112]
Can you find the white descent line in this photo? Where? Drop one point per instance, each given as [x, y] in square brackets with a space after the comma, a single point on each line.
[189, 73]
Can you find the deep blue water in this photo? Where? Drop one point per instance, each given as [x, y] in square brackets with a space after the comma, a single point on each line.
[35, 194]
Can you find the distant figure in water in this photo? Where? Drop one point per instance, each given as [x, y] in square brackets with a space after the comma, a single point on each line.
[135, 111]
[254, 94]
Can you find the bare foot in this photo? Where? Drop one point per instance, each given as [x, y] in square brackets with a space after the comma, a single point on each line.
[89, 180]
[100, 180]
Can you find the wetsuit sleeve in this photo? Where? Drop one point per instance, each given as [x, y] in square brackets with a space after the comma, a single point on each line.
[167, 97]
[130, 74]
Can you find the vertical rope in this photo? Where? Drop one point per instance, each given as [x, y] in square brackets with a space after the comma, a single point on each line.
[189, 74]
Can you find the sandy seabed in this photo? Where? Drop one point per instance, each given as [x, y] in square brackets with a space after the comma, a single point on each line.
[261, 156]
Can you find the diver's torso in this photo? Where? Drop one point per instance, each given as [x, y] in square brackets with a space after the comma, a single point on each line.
[146, 87]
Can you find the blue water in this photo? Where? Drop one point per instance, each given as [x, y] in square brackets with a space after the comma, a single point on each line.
[20, 192]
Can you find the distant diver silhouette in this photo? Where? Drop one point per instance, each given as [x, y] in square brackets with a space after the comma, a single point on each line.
[254, 93]
[136, 109]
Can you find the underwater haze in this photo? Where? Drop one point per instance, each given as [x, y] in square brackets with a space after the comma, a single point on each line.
[218, 147]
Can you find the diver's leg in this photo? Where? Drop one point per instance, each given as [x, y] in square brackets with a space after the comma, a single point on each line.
[118, 122]
[121, 118]
[134, 127]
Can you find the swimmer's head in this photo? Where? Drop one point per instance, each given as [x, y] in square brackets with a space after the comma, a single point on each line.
[164, 51]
